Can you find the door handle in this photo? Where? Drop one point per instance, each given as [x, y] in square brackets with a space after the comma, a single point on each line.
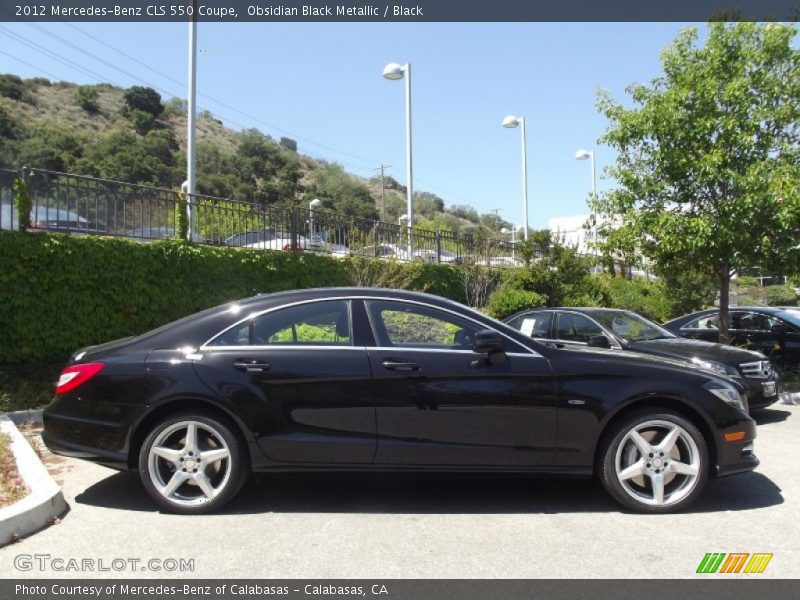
[251, 366]
[400, 365]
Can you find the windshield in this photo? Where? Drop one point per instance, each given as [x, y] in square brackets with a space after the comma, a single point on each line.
[791, 316]
[630, 326]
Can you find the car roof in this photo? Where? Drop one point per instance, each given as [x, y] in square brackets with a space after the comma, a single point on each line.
[588, 310]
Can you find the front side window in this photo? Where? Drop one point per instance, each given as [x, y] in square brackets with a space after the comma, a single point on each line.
[415, 326]
[325, 323]
[576, 328]
[535, 325]
[752, 321]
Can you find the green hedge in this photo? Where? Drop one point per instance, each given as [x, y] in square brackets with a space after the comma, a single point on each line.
[59, 293]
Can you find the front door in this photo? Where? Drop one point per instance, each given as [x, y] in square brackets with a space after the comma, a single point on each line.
[436, 406]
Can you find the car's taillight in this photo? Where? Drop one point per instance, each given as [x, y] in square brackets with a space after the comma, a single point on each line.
[76, 375]
[288, 248]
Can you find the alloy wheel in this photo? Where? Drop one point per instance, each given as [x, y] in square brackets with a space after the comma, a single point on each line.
[189, 463]
[657, 463]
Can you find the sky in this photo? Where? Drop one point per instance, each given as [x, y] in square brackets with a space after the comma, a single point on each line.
[321, 84]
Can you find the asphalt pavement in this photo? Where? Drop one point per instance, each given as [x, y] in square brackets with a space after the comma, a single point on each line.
[369, 526]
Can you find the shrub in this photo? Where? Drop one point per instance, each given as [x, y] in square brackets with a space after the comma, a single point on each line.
[59, 293]
[142, 121]
[509, 299]
[747, 281]
[11, 86]
[780, 295]
[648, 298]
[86, 97]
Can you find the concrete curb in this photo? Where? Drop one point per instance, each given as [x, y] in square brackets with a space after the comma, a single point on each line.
[23, 417]
[790, 398]
[45, 500]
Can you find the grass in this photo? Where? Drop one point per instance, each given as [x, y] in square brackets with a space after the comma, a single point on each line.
[12, 488]
[27, 385]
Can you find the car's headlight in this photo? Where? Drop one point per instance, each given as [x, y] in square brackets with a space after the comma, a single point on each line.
[726, 393]
[716, 367]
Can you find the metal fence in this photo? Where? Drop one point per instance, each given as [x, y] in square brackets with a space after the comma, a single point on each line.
[77, 204]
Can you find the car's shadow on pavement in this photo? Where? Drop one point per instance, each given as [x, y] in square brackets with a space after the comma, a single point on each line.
[767, 416]
[407, 494]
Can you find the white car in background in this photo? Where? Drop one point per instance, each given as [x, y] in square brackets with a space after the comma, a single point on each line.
[283, 241]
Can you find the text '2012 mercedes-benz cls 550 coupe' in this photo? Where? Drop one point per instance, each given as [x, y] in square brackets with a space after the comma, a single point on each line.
[354, 379]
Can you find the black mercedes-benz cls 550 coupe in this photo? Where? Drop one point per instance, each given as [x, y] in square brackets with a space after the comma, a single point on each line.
[625, 330]
[386, 380]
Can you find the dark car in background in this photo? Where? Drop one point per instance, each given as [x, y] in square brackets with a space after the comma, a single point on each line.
[626, 330]
[365, 379]
[773, 331]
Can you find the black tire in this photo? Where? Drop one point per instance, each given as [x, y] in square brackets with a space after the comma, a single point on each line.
[686, 487]
[214, 433]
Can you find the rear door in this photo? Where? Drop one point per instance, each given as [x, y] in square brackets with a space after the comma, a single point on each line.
[434, 406]
[299, 380]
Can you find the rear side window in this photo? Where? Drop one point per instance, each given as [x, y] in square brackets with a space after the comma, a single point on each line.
[325, 323]
[704, 322]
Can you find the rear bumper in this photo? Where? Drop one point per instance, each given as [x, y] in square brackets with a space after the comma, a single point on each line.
[736, 456]
[93, 431]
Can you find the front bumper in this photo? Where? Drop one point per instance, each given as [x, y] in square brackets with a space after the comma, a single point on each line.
[755, 392]
[736, 456]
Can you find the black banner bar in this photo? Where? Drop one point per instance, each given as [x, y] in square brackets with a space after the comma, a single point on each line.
[400, 589]
[397, 11]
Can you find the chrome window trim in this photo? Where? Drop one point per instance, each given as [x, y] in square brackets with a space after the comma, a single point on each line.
[204, 347]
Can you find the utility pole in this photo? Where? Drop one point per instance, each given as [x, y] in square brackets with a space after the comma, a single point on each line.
[382, 168]
[191, 126]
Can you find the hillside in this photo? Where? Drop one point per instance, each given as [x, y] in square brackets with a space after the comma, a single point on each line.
[134, 135]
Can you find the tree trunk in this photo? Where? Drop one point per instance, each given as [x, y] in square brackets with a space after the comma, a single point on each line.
[724, 274]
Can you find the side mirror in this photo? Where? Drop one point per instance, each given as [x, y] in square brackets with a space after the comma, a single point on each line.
[490, 343]
[598, 341]
[487, 342]
[779, 328]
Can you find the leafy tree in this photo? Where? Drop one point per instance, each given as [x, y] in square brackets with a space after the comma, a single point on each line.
[50, 145]
[289, 144]
[144, 99]
[709, 155]
[86, 97]
[341, 192]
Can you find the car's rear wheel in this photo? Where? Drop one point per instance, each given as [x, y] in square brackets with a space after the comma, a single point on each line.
[192, 463]
[655, 461]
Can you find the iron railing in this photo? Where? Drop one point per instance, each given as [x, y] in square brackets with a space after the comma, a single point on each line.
[78, 204]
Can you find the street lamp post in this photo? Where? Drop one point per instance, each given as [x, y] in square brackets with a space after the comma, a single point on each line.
[512, 122]
[394, 71]
[513, 232]
[584, 155]
[315, 203]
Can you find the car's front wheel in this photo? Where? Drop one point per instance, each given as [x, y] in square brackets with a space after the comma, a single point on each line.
[192, 463]
[654, 460]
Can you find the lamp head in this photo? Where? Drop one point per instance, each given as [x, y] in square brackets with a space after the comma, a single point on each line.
[582, 155]
[394, 71]
[510, 121]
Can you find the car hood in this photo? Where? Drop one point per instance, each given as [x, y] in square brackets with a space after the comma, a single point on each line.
[681, 348]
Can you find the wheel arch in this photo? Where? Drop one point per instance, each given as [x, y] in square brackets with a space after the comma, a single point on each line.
[173, 405]
[674, 403]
